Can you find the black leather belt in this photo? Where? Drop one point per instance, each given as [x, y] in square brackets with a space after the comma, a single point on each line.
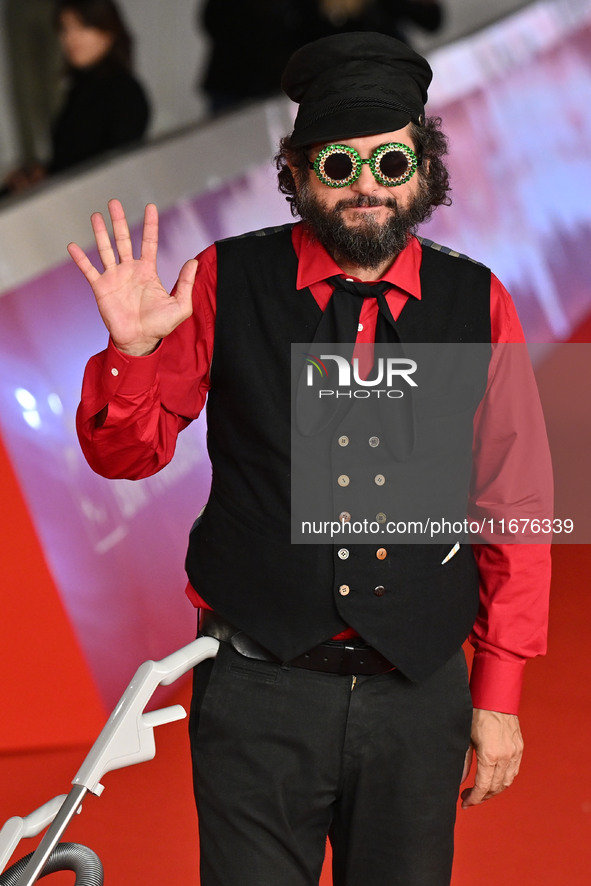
[345, 657]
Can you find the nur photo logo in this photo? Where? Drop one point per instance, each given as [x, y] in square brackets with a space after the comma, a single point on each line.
[346, 378]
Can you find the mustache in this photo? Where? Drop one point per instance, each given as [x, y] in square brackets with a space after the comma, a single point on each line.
[365, 201]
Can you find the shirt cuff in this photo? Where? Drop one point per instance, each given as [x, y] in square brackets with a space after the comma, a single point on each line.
[496, 684]
[127, 375]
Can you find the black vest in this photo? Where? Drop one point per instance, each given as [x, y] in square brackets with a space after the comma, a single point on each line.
[240, 558]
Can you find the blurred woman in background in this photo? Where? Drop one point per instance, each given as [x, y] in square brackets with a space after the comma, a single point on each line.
[105, 107]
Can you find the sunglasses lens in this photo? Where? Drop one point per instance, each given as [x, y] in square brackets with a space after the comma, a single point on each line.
[394, 164]
[338, 166]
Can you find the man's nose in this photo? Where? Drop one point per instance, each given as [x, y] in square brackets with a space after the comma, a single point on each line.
[366, 183]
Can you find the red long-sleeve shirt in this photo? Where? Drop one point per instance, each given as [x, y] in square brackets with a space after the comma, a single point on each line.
[151, 399]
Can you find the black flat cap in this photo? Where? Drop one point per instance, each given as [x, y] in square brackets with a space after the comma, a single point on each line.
[354, 84]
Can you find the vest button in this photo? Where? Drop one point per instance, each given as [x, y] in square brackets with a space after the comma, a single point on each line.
[345, 517]
[374, 441]
[381, 553]
[344, 554]
[344, 590]
[343, 480]
[379, 479]
[344, 440]
[379, 591]
[381, 517]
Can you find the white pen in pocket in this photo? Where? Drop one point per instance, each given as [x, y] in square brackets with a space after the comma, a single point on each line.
[453, 551]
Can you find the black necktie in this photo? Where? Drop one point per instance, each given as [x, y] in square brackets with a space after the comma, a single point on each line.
[339, 325]
[341, 316]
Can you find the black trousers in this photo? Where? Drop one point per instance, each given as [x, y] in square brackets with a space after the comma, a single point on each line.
[284, 757]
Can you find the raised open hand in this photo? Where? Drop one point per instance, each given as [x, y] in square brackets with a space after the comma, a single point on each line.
[135, 307]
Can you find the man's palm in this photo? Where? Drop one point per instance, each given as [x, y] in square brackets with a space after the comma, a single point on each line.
[135, 307]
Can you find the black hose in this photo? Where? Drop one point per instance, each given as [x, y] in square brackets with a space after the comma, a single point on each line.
[65, 857]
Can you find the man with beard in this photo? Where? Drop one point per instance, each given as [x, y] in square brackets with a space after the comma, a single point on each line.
[338, 703]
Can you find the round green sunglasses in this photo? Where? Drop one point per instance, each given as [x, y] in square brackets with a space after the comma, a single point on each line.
[340, 165]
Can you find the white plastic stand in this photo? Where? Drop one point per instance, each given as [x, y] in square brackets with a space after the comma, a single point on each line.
[127, 738]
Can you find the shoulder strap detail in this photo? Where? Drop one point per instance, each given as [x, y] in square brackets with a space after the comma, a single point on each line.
[447, 250]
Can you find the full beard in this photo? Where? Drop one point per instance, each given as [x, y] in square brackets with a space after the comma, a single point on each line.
[369, 244]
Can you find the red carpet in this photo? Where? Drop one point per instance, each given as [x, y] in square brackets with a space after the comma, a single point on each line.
[536, 834]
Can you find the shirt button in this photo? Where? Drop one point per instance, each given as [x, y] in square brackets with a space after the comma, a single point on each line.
[344, 440]
[379, 479]
[349, 279]
[345, 517]
[374, 441]
[360, 327]
[343, 553]
[114, 371]
[379, 591]
[343, 480]
[381, 553]
[381, 517]
[344, 590]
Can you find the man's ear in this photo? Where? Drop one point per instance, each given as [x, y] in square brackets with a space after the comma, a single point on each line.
[425, 164]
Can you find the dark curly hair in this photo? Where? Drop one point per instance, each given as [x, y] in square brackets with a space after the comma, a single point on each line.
[429, 141]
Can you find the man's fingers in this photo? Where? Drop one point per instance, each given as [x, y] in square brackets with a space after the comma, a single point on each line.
[120, 230]
[473, 797]
[184, 286]
[497, 740]
[483, 784]
[491, 779]
[510, 773]
[150, 234]
[103, 241]
[467, 764]
[476, 795]
[480, 793]
[83, 262]
[122, 239]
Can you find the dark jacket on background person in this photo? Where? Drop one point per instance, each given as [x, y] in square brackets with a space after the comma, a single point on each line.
[105, 108]
[252, 40]
[383, 16]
